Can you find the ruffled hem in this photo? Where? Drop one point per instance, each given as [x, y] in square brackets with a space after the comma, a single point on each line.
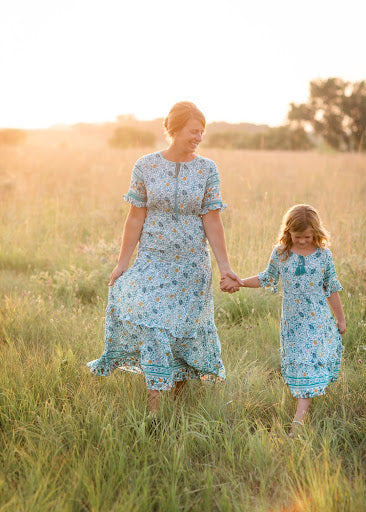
[213, 206]
[307, 393]
[300, 387]
[135, 201]
[154, 351]
[311, 390]
[334, 286]
[104, 366]
[267, 283]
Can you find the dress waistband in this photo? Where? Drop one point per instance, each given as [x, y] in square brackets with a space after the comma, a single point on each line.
[174, 255]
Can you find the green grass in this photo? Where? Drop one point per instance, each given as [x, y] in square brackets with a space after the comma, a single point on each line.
[71, 441]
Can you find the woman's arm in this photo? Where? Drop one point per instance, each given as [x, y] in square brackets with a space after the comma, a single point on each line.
[214, 230]
[336, 305]
[131, 235]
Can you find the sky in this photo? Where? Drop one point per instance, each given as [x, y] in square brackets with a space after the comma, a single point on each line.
[70, 61]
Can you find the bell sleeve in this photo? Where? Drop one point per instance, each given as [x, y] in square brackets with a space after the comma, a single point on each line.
[212, 196]
[330, 282]
[270, 277]
[136, 194]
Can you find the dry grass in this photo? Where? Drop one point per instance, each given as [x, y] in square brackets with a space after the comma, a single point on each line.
[74, 443]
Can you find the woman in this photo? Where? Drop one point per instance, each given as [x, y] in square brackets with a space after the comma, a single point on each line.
[160, 313]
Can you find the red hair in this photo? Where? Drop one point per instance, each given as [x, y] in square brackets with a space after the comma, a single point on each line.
[180, 114]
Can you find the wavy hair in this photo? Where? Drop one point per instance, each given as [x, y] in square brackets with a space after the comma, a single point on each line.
[298, 219]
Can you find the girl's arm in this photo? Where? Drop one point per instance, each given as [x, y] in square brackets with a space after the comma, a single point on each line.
[267, 279]
[214, 230]
[336, 305]
[131, 235]
[249, 282]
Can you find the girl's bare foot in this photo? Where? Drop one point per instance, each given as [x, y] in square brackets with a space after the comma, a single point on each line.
[301, 412]
[296, 426]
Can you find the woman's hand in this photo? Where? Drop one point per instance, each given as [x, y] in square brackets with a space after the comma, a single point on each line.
[117, 272]
[342, 327]
[131, 235]
[230, 282]
[215, 234]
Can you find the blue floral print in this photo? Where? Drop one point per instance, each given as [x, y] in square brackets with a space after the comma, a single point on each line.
[160, 313]
[311, 346]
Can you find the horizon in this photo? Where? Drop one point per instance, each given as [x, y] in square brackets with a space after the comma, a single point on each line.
[129, 117]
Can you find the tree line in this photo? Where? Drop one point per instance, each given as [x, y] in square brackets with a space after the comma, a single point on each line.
[334, 113]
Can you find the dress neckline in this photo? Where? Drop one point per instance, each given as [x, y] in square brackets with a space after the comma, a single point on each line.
[174, 162]
[297, 254]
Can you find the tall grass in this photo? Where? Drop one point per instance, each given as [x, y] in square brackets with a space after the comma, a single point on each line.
[74, 442]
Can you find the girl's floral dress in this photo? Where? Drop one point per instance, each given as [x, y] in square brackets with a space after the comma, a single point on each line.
[311, 346]
[160, 313]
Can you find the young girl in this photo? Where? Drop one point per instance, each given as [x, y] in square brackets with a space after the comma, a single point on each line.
[311, 343]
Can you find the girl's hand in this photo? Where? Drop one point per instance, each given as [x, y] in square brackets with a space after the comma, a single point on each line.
[229, 282]
[342, 327]
[117, 272]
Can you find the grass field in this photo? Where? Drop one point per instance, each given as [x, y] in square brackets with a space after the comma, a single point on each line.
[74, 442]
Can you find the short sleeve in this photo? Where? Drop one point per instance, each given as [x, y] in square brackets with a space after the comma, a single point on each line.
[137, 191]
[270, 277]
[330, 282]
[212, 196]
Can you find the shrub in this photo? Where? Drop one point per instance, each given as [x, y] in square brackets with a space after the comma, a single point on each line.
[12, 137]
[125, 137]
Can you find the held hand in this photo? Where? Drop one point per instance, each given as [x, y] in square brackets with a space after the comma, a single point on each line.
[228, 285]
[230, 282]
[116, 273]
[342, 327]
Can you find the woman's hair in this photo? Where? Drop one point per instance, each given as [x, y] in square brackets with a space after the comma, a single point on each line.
[297, 220]
[180, 114]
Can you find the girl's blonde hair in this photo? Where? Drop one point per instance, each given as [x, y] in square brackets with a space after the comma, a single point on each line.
[180, 114]
[297, 220]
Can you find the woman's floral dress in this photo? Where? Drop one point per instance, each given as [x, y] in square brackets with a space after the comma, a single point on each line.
[160, 313]
[311, 346]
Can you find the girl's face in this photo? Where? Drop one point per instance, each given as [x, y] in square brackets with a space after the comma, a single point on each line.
[303, 240]
[189, 136]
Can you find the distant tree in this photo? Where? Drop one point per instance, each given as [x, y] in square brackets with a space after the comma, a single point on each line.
[287, 138]
[336, 110]
[12, 136]
[126, 136]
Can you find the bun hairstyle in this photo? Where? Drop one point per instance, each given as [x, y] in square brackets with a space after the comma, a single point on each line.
[180, 114]
[297, 220]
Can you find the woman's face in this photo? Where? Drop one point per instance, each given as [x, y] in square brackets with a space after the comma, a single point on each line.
[189, 136]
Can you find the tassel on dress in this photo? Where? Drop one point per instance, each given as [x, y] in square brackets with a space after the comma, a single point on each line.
[300, 269]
